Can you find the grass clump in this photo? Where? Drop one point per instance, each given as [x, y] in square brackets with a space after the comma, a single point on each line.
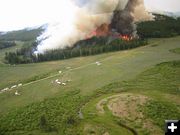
[51, 115]
[177, 50]
[163, 77]
[160, 111]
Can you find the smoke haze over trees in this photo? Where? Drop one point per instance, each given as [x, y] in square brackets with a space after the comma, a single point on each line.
[162, 26]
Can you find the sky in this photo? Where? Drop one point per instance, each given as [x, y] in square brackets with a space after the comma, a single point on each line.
[18, 14]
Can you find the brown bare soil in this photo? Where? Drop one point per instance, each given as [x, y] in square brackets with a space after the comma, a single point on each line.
[127, 107]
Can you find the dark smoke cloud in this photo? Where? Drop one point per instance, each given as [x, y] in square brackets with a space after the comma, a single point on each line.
[78, 18]
[124, 20]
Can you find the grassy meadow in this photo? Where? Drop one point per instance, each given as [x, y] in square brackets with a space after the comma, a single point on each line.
[44, 107]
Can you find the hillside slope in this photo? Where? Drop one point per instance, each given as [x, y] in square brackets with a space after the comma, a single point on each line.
[41, 97]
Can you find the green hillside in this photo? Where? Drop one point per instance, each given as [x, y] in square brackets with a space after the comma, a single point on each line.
[162, 26]
[22, 35]
[148, 77]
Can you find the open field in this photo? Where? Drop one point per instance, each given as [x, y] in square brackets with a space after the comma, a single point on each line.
[131, 71]
[141, 104]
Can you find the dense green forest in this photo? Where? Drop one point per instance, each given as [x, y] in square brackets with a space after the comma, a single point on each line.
[162, 26]
[6, 44]
[93, 46]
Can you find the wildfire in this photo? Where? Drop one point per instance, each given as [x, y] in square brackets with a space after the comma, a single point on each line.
[105, 30]
[101, 31]
[126, 37]
[92, 34]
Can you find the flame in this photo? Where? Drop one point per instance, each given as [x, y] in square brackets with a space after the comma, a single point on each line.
[104, 30]
[126, 37]
[101, 31]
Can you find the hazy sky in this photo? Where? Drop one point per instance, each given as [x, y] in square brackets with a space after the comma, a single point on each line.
[17, 14]
[164, 5]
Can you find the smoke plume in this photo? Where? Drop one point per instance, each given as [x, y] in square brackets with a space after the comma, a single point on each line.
[76, 22]
[124, 20]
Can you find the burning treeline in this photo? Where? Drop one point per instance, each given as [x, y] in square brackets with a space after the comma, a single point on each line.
[94, 18]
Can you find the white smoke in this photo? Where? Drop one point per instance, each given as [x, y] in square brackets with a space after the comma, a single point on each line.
[140, 13]
[75, 23]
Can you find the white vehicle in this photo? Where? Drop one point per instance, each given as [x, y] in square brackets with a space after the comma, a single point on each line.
[19, 84]
[60, 72]
[13, 86]
[58, 82]
[98, 63]
[64, 84]
[16, 93]
[5, 89]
